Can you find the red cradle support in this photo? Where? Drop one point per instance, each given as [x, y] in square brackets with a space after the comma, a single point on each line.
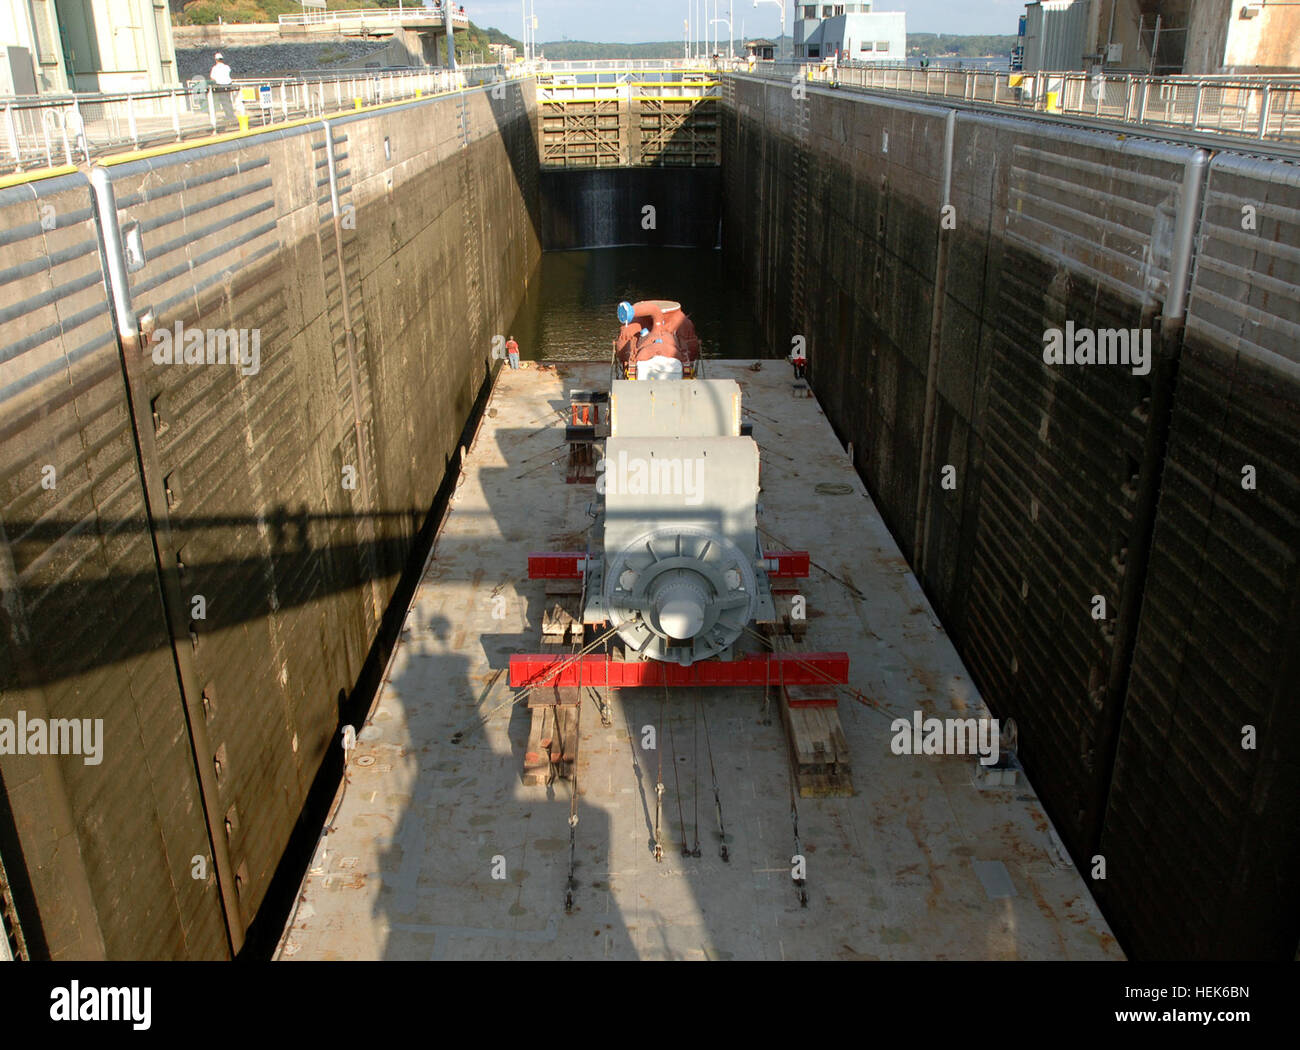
[790, 565]
[553, 566]
[564, 565]
[537, 669]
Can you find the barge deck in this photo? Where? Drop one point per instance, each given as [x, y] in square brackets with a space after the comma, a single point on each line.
[437, 849]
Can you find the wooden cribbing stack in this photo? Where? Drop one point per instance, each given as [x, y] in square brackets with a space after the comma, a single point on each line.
[818, 750]
[553, 737]
[587, 424]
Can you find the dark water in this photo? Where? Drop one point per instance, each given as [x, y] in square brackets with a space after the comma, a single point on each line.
[569, 312]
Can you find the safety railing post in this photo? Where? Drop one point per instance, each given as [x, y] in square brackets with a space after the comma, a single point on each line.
[67, 144]
[83, 137]
[12, 131]
[176, 114]
[130, 122]
[45, 132]
[1264, 104]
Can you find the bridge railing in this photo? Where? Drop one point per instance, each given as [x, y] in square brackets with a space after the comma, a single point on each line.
[1258, 107]
[605, 83]
[605, 65]
[46, 131]
[375, 16]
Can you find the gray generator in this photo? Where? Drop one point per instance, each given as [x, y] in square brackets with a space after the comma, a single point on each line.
[680, 571]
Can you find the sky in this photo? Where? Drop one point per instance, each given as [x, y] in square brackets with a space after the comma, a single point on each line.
[631, 21]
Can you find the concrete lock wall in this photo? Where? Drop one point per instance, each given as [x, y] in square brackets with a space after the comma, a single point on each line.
[376, 257]
[1025, 494]
[367, 266]
[1218, 648]
[82, 625]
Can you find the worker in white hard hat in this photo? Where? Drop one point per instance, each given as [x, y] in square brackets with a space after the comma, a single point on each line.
[220, 77]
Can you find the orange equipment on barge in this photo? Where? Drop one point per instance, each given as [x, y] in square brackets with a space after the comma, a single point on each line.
[657, 341]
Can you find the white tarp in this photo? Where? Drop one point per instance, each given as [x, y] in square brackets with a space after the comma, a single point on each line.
[659, 368]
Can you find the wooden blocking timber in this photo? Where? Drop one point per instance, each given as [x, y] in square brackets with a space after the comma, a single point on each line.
[562, 614]
[796, 629]
[553, 737]
[786, 622]
[818, 750]
[582, 463]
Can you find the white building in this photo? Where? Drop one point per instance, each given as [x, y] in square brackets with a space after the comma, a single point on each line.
[850, 32]
[89, 45]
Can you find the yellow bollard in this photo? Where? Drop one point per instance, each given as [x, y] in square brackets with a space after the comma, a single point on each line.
[243, 122]
[1053, 102]
[419, 92]
[357, 100]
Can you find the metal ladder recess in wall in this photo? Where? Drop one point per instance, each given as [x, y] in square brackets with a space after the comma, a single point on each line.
[521, 132]
[800, 190]
[344, 312]
[469, 217]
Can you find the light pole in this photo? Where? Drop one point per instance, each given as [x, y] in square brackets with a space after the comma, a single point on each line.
[781, 4]
[451, 34]
[726, 22]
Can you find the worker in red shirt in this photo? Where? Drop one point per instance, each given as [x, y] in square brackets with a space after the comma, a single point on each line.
[799, 360]
[512, 352]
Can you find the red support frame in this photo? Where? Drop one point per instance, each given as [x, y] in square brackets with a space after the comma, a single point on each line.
[563, 565]
[555, 566]
[790, 565]
[546, 669]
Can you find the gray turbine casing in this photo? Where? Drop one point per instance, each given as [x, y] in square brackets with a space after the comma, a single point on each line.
[681, 554]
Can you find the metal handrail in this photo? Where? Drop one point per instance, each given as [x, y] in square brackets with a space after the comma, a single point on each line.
[1261, 108]
[422, 15]
[49, 130]
[46, 130]
[615, 64]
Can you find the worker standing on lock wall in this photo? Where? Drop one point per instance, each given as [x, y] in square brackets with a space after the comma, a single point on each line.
[220, 76]
[799, 359]
[512, 352]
